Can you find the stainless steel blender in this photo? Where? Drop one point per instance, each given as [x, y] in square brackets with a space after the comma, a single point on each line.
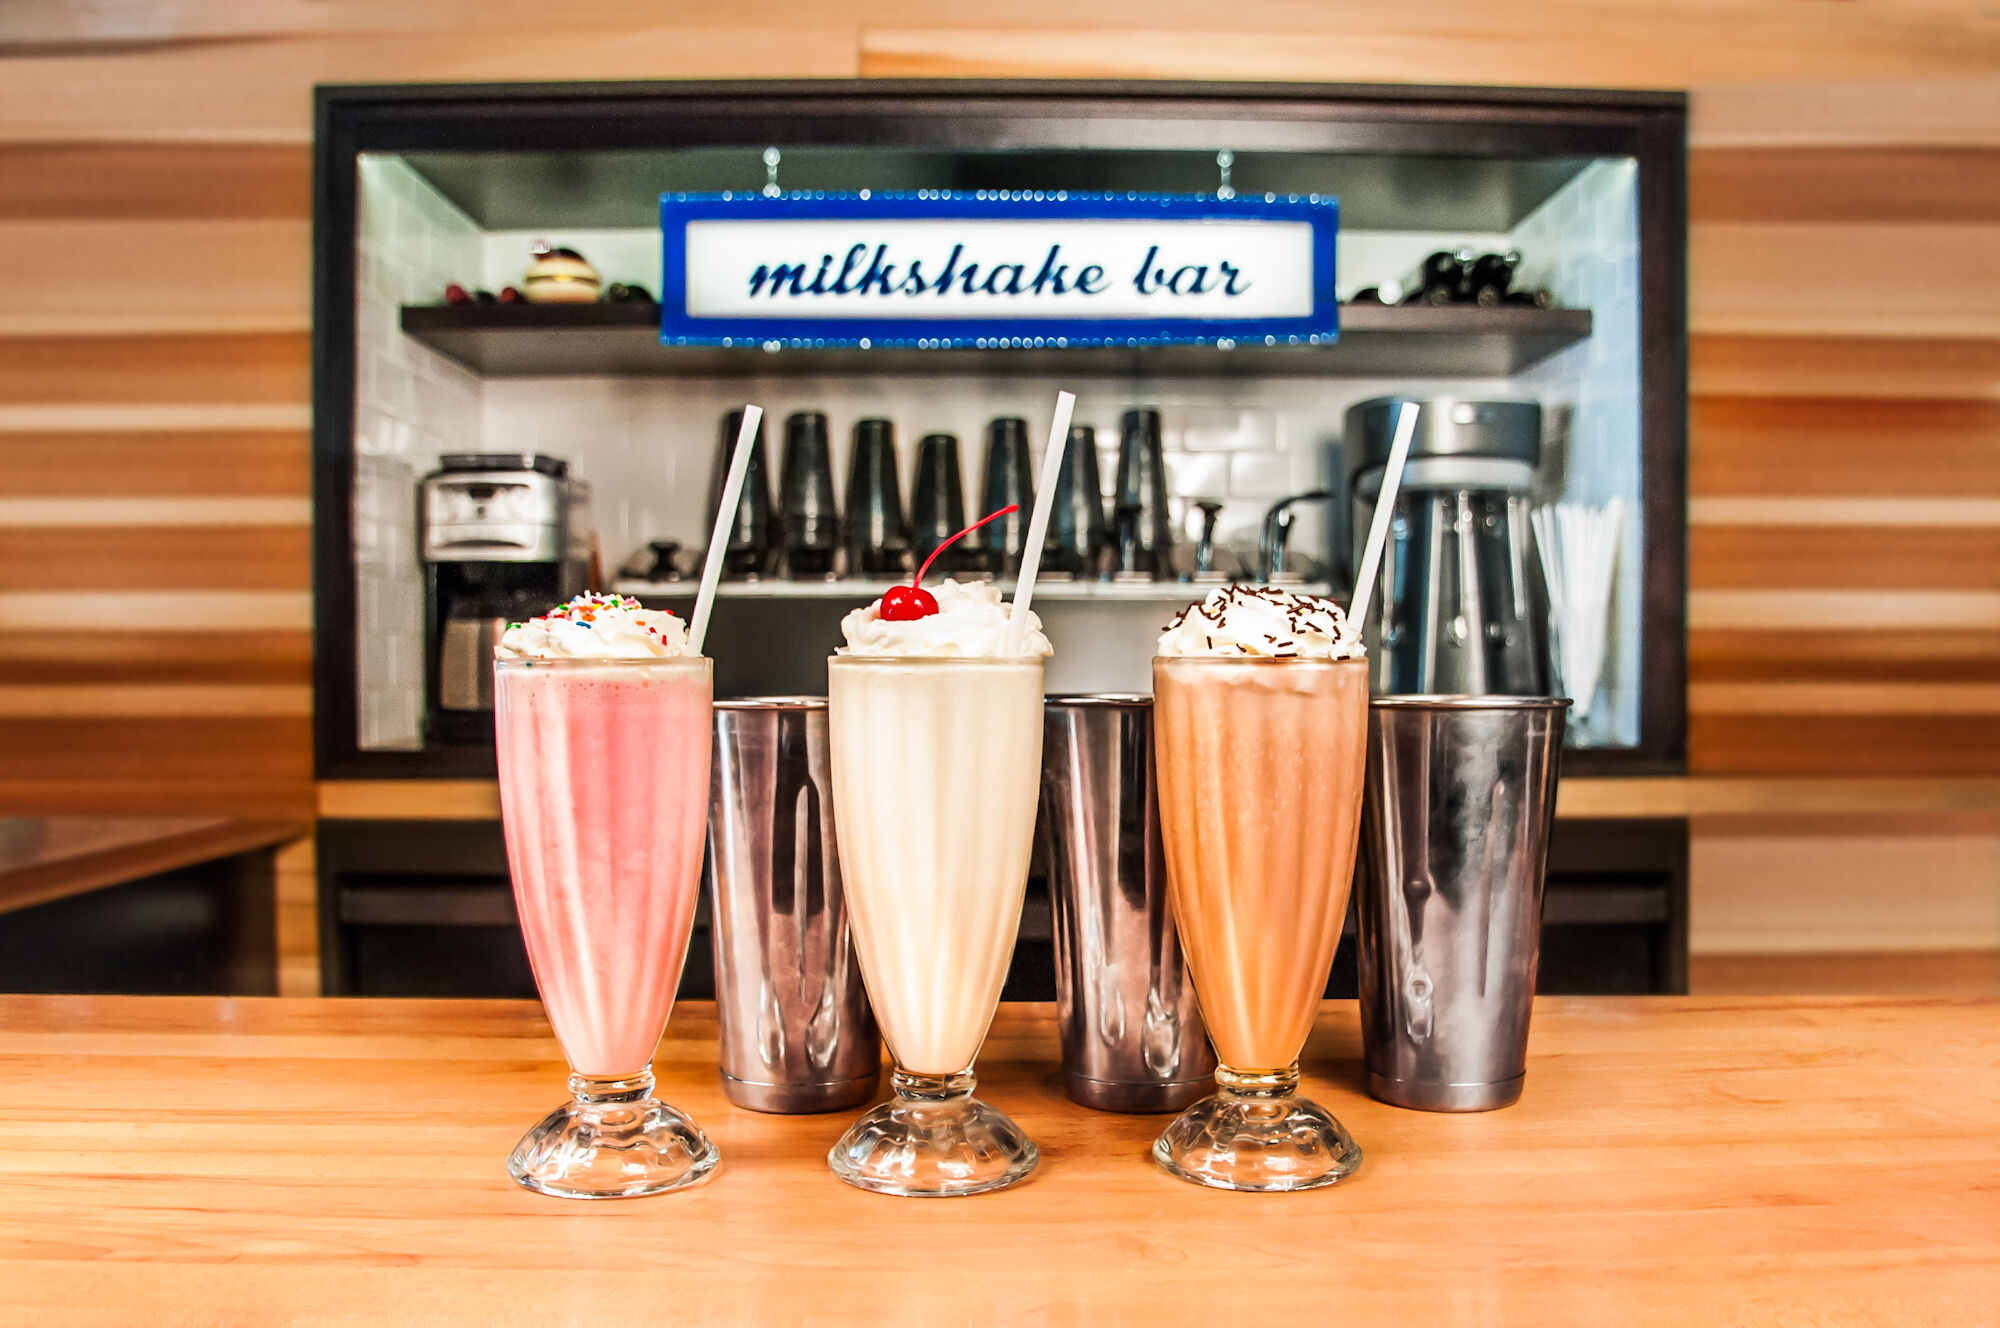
[1460, 608]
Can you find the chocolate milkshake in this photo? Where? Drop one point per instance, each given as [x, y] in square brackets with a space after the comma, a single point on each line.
[1260, 716]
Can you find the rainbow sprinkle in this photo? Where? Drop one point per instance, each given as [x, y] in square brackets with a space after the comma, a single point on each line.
[585, 608]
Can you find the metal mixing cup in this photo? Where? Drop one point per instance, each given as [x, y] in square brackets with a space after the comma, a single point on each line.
[1132, 1036]
[797, 1034]
[1459, 797]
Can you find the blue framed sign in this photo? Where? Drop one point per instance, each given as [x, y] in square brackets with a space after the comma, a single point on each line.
[937, 269]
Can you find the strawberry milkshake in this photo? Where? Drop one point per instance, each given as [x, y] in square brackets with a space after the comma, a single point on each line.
[602, 720]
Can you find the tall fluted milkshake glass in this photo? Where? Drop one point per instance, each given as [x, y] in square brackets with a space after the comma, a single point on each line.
[936, 742]
[1260, 735]
[603, 730]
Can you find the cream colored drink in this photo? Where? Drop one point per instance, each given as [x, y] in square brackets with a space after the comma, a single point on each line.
[936, 740]
[936, 768]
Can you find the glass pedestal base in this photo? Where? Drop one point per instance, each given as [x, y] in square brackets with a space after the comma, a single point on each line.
[613, 1141]
[1257, 1134]
[933, 1140]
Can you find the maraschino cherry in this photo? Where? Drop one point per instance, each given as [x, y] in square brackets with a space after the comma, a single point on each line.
[911, 602]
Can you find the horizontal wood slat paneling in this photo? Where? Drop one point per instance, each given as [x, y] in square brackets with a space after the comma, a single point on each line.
[153, 701]
[1788, 510]
[1842, 558]
[1835, 366]
[1812, 610]
[191, 181]
[1925, 185]
[169, 276]
[1934, 973]
[60, 655]
[1906, 279]
[114, 24]
[155, 610]
[224, 750]
[1780, 445]
[1969, 809]
[1839, 654]
[226, 369]
[295, 873]
[1845, 698]
[129, 429]
[244, 85]
[1624, 45]
[1938, 111]
[1808, 890]
[142, 558]
[163, 514]
[254, 463]
[1817, 745]
[180, 417]
[260, 90]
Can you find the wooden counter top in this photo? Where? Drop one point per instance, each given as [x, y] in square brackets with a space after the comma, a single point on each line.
[52, 857]
[1596, 798]
[1682, 1161]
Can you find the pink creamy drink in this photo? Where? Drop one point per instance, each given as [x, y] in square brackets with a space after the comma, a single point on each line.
[604, 783]
[602, 719]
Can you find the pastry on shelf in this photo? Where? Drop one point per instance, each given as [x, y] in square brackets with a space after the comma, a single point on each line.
[560, 276]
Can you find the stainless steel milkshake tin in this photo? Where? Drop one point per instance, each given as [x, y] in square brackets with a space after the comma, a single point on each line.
[797, 1034]
[1458, 801]
[1132, 1037]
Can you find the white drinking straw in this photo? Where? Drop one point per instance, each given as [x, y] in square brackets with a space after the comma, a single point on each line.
[1385, 507]
[1038, 524]
[725, 517]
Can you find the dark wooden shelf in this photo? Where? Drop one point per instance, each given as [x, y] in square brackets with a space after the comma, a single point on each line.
[1376, 341]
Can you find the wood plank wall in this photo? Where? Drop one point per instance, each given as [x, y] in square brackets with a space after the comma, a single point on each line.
[154, 584]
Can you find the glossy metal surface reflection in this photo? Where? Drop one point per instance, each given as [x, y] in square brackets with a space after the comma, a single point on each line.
[796, 1031]
[1459, 798]
[1132, 1036]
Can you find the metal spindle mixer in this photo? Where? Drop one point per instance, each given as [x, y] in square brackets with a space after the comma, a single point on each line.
[1460, 607]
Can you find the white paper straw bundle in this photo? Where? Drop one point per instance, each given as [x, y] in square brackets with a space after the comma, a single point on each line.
[1578, 545]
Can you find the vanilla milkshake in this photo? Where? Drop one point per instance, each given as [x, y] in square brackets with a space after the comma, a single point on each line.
[1260, 718]
[602, 722]
[936, 741]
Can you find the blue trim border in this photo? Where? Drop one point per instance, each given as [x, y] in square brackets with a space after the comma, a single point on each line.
[677, 328]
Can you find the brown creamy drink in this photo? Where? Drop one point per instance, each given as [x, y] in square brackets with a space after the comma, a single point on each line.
[1260, 766]
[1260, 718]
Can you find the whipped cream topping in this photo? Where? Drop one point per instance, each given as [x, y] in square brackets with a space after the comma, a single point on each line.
[971, 623]
[1261, 620]
[596, 627]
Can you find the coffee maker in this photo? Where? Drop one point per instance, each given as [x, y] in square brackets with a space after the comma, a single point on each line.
[1460, 607]
[503, 537]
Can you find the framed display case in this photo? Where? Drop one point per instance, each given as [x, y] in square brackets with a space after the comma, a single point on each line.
[421, 187]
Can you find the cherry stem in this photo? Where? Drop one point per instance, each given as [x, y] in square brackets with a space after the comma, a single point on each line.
[918, 580]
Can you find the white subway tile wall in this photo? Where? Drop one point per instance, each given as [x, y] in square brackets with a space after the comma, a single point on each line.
[652, 442]
[411, 406]
[1583, 244]
[647, 445]
[1260, 475]
[1199, 475]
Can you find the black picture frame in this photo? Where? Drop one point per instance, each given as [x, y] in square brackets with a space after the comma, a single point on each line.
[1650, 127]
